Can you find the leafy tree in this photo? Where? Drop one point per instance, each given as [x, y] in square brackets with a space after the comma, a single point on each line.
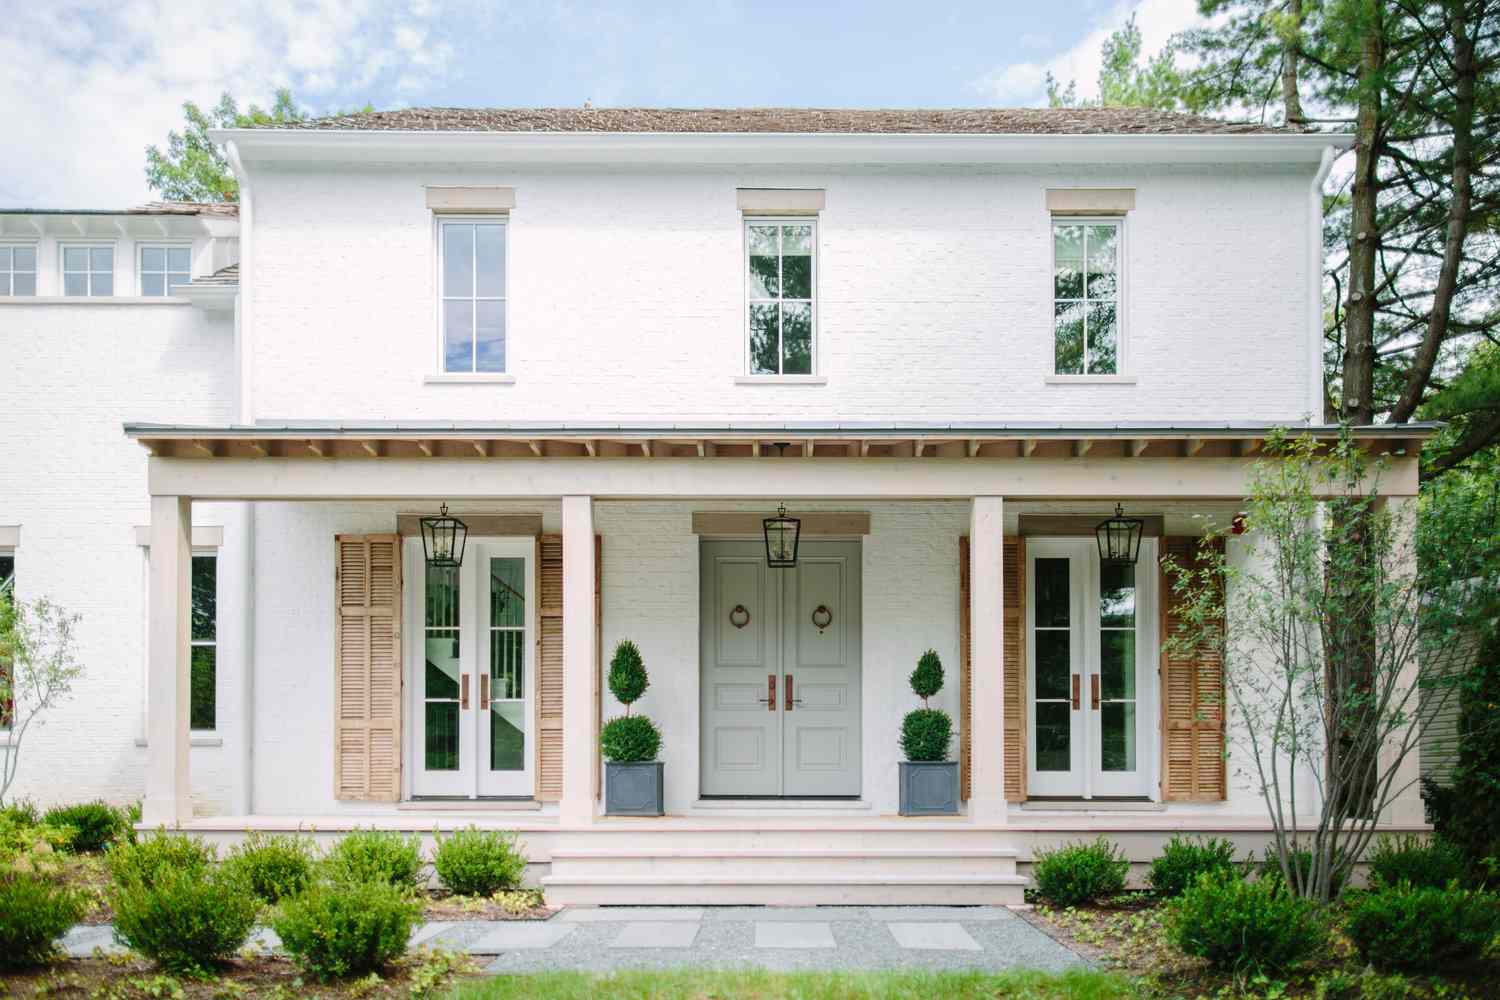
[192, 168]
[38, 650]
[1124, 81]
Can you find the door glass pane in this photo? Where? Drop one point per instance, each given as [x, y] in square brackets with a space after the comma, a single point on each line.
[507, 736]
[1052, 602]
[1052, 663]
[507, 650]
[441, 669]
[442, 665]
[441, 752]
[1117, 663]
[507, 592]
[1117, 736]
[1053, 736]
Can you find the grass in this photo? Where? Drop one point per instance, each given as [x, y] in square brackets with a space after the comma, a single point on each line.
[692, 984]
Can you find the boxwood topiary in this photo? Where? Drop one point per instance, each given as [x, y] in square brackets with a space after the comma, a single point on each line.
[629, 739]
[1080, 872]
[187, 921]
[477, 862]
[628, 679]
[34, 913]
[1417, 861]
[926, 733]
[1245, 926]
[1184, 859]
[155, 856]
[275, 866]
[1422, 929]
[375, 856]
[346, 929]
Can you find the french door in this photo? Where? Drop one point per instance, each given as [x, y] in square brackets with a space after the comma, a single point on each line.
[1091, 641]
[470, 638]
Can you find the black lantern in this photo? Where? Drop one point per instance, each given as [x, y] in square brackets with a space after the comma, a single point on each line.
[1119, 539]
[781, 539]
[443, 539]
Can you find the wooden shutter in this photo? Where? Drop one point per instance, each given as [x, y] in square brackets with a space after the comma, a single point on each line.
[1013, 560]
[965, 678]
[367, 668]
[1192, 696]
[598, 658]
[549, 669]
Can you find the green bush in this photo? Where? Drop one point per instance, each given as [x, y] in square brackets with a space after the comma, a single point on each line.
[627, 673]
[628, 739]
[30, 848]
[927, 679]
[22, 813]
[33, 914]
[1245, 926]
[1080, 873]
[274, 866]
[187, 920]
[376, 856]
[1423, 928]
[1184, 859]
[152, 858]
[1417, 861]
[478, 862]
[95, 824]
[1301, 862]
[926, 734]
[333, 931]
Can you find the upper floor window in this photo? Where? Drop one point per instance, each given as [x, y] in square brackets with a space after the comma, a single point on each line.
[472, 274]
[17, 270]
[780, 305]
[88, 270]
[163, 268]
[1086, 296]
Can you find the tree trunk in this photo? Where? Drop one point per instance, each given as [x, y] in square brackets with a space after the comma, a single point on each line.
[1359, 313]
[1291, 99]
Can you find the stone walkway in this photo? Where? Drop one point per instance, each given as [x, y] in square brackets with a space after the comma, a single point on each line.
[783, 938]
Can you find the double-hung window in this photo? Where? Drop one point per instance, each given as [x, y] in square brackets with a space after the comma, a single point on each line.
[164, 268]
[203, 671]
[17, 270]
[7, 593]
[1086, 296]
[780, 303]
[471, 270]
[88, 270]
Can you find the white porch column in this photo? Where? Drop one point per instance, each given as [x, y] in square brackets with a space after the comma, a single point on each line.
[579, 658]
[1405, 808]
[987, 659]
[168, 799]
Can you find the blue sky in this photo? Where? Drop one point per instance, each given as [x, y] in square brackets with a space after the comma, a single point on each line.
[86, 84]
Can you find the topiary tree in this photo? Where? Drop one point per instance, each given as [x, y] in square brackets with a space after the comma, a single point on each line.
[628, 739]
[926, 733]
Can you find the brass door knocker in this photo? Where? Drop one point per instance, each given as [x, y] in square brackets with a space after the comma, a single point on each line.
[739, 617]
[822, 617]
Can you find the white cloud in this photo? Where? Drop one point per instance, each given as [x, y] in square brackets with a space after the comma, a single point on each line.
[1024, 83]
[87, 84]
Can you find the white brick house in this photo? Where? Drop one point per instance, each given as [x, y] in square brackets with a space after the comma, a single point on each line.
[612, 342]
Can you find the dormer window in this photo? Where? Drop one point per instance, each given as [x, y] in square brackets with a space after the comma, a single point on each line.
[17, 270]
[471, 270]
[88, 270]
[163, 268]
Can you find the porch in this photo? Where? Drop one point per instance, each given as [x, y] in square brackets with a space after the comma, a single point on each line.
[615, 532]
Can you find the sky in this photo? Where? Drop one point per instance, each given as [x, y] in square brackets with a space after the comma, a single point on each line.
[86, 86]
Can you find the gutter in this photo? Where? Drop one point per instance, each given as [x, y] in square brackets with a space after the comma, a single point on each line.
[1316, 389]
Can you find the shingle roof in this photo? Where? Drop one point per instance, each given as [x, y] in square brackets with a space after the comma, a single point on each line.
[223, 276]
[224, 209]
[956, 121]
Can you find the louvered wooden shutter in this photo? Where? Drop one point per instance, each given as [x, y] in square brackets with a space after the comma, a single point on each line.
[598, 657]
[965, 678]
[367, 668]
[549, 672]
[1192, 685]
[1013, 561]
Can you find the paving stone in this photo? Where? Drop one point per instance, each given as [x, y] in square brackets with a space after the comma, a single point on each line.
[933, 936]
[613, 914]
[82, 939]
[782, 914]
[657, 934]
[423, 935]
[519, 935]
[929, 913]
[264, 941]
[793, 934]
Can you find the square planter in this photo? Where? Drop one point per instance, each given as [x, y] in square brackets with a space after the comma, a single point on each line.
[929, 788]
[633, 789]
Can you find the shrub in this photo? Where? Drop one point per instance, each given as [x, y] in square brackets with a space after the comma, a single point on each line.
[1080, 873]
[1301, 862]
[22, 813]
[187, 920]
[27, 848]
[627, 674]
[926, 734]
[478, 862]
[1245, 926]
[927, 679]
[629, 739]
[152, 858]
[1183, 860]
[95, 824]
[347, 929]
[274, 866]
[376, 856]
[1417, 861]
[33, 914]
[1423, 928]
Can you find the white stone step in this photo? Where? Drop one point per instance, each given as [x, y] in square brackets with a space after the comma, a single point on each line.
[867, 889]
[949, 863]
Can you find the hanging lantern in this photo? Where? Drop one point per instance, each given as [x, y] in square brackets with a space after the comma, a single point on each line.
[1119, 539]
[443, 539]
[781, 539]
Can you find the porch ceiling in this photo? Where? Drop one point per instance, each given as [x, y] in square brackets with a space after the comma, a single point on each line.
[417, 440]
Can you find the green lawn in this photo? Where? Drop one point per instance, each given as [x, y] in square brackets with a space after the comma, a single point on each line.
[692, 984]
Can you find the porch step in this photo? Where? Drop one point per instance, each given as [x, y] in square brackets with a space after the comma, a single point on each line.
[783, 890]
[788, 862]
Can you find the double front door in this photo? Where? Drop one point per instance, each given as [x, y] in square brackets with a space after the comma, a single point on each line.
[470, 640]
[780, 662]
[1091, 641]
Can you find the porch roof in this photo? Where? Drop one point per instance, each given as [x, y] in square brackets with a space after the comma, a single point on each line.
[846, 439]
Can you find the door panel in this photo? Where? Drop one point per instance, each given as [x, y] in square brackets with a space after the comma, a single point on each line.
[1055, 636]
[822, 669]
[740, 619]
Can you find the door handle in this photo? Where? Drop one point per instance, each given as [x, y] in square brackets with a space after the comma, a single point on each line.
[770, 699]
[484, 692]
[1076, 683]
[790, 701]
[1094, 692]
[463, 691]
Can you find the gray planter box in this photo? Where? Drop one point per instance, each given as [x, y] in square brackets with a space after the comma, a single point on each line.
[929, 788]
[633, 789]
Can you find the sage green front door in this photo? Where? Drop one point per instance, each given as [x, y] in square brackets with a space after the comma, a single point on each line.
[780, 662]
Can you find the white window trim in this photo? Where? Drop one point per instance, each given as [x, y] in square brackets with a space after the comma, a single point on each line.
[36, 272]
[440, 373]
[1122, 373]
[62, 271]
[140, 267]
[747, 376]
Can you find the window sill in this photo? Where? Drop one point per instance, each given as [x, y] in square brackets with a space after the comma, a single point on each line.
[780, 380]
[1090, 380]
[495, 379]
[202, 738]
[93, 300]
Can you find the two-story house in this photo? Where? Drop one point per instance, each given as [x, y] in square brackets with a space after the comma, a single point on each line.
[612, 343]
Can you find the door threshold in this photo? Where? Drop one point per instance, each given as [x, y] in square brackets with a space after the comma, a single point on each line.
[843, 803]
[440, 803]
[1093, 805]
